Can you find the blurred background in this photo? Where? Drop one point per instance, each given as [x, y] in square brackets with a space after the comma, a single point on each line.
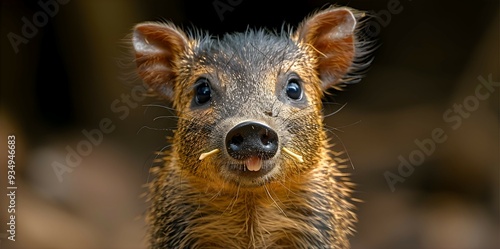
[67, 76]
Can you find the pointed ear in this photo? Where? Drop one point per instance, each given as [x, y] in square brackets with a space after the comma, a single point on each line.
[158, 50]
[330, 33]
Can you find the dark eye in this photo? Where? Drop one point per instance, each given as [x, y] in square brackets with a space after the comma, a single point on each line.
[293, 89]
[203, 92]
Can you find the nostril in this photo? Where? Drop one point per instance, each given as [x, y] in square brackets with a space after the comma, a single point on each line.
[265, 138]
[236, 141]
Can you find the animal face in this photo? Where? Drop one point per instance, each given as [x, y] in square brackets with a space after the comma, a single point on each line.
[249, 104]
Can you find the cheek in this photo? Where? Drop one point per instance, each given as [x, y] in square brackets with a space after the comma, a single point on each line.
[191, 140]
[305, 138]
[306, 132]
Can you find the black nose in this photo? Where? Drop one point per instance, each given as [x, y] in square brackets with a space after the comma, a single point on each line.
[251, 139]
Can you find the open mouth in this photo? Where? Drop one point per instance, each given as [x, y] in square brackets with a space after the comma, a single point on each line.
[252, 167]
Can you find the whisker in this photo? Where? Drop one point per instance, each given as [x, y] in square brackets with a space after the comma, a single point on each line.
[160, 106]
[338, 128]
[168, 117]
[274, 201]
[151, 128]
[335, 112]
[158, 153]
[343, 145]
[215, 195]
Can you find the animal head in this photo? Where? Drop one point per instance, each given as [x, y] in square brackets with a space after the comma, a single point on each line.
[249, 104]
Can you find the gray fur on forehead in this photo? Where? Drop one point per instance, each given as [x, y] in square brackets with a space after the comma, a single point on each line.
[253, 49]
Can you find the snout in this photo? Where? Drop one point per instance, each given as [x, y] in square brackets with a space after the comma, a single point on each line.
[251, 139]
[251, 142]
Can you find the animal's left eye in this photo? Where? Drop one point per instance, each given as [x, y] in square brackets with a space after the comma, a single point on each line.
[293, 89]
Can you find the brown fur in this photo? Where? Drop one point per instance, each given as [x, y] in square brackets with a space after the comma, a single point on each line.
[202, 203]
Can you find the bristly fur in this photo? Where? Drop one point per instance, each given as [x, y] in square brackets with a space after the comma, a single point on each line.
[365, 46]
[203, 203]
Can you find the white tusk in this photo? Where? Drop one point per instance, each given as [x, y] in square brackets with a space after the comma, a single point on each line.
[203, 155]
[297, 157]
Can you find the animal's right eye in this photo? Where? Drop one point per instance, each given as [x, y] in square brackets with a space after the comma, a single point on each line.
[203, 92]
[293, 89]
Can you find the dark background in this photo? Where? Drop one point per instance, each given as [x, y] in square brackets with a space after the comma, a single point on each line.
[72, 69]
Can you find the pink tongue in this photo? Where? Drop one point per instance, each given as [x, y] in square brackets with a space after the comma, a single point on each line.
[254, 163]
